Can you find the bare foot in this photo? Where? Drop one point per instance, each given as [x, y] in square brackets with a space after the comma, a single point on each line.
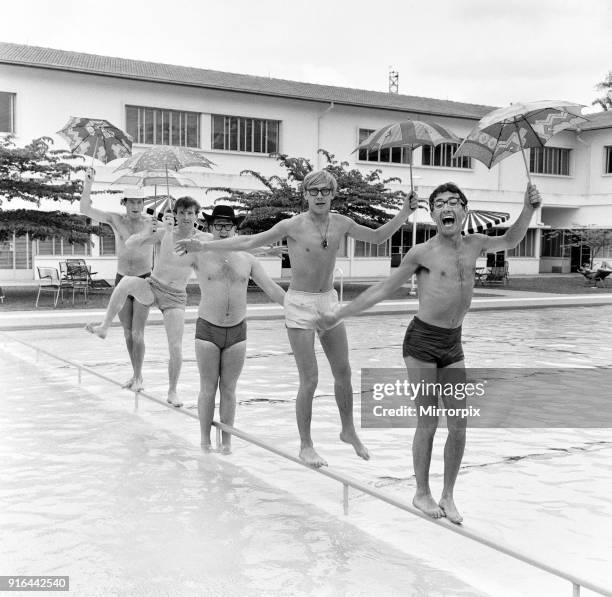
[351, 438]
[173, 399]
[225, 450]
[137, 385]
[450, 510]
[309, 456]
[206, 448]
[128, 384]
[98, 329]
[426, 504]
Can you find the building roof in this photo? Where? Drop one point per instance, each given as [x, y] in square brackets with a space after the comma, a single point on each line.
[598, 120]
[38, 57]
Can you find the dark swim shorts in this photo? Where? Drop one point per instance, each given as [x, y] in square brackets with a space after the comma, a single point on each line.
[220, 336]
[433, 344]
[119, 276]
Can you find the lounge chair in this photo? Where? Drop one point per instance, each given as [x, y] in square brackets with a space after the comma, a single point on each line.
[593, 276]
[497, 275]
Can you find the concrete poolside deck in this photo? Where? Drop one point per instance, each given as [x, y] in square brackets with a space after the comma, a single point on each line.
[487, 299]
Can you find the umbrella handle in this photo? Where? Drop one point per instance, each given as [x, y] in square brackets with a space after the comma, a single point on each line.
[94, 151]
[411, 186]
[518, 132]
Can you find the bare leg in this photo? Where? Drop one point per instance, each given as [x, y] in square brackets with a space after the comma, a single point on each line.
[208, 356]
[174, 322]
[125, 317]
[137, 287]
[422, 443]
[140, 313]
[454, 447]
[335, 345]
[302, 344]
[232, 361]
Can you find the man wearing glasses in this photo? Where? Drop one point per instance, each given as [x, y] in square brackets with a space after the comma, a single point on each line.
[313, 240]
[432, 349]
[221, 328]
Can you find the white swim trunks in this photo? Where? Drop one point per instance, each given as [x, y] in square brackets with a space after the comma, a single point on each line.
[301, 308]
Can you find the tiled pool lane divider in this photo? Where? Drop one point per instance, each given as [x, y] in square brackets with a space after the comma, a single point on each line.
[347, 482]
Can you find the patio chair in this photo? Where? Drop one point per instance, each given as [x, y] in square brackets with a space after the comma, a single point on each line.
[49, 281]
[593, 276]
[498, 275]
[78, 276]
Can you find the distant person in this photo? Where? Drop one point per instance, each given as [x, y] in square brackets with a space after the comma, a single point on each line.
[131, 261]
[221, 329]
[445, 267]
[313, 240]
[166, 287]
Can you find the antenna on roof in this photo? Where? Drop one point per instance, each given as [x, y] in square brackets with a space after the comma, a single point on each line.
[393, 80]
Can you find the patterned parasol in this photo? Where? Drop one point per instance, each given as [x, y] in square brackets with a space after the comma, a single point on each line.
[154, 179]
[165, 158]
[508, 130]
[96, 138]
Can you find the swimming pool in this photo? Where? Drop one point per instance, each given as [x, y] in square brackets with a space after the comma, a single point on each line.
[544, 491]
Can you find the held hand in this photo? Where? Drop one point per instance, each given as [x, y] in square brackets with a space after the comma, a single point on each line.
[189, 245]
[169, 220]
[327, 319]
[532, 196]
[89, 175]
[411, 201]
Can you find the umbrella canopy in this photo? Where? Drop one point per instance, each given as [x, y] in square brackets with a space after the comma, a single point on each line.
[96, 138]
[165, 158]
[503, 132]
[480, 220]
[153, 179]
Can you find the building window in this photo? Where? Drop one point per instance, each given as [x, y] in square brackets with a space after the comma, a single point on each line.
[235, 133]
[393, 155]
[549, 160]
[554, 243]
[7, 112]
[608, 165]
[55, 245]
[442, 155]
[163, 127]
[363, 249]
[526, 247]
[107, 240]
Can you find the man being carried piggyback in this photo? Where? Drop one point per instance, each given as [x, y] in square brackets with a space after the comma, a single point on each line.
[445, 267]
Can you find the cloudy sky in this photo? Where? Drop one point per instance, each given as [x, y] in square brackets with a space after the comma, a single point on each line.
[480, 51]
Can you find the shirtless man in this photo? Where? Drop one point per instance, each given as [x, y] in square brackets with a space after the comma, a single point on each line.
[445, 267]
[221, 328]
[166, 285]
[134, 261]
[313, 240]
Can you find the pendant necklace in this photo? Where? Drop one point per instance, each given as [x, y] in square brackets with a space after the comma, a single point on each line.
[324, 243]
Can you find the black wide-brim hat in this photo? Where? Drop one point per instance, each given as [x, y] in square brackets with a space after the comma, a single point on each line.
[225, 212]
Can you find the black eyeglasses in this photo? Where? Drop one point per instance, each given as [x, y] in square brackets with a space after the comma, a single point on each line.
[315, 192]
[227, 227]
[451, 202]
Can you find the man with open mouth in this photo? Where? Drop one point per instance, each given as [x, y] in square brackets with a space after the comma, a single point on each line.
[432, 350]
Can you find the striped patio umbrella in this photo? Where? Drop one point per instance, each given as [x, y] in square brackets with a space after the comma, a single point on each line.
[97, 138]
[480, 220]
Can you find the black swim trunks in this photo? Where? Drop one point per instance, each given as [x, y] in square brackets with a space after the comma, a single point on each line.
[220, 336]
[433, 344]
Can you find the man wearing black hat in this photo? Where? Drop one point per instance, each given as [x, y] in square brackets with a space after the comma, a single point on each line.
[220, 339]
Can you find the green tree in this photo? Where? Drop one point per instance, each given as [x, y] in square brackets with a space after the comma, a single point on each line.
[37, 172]
[605, 101]
[363, 197]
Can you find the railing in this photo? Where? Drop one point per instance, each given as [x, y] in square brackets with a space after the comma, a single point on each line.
[340, 271]
[347, 482]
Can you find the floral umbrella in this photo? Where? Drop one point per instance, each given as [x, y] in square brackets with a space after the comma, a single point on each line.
[154, 179]
[96, 138]
[166, 158]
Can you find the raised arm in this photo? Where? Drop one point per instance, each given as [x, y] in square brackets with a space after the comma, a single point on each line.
[375, 293]
[515, 234]
[152, 233]
[85, 202]
[269, 286]
[237, 243]
[381, 234]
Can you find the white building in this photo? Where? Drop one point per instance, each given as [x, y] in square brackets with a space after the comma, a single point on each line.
[237, 120]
